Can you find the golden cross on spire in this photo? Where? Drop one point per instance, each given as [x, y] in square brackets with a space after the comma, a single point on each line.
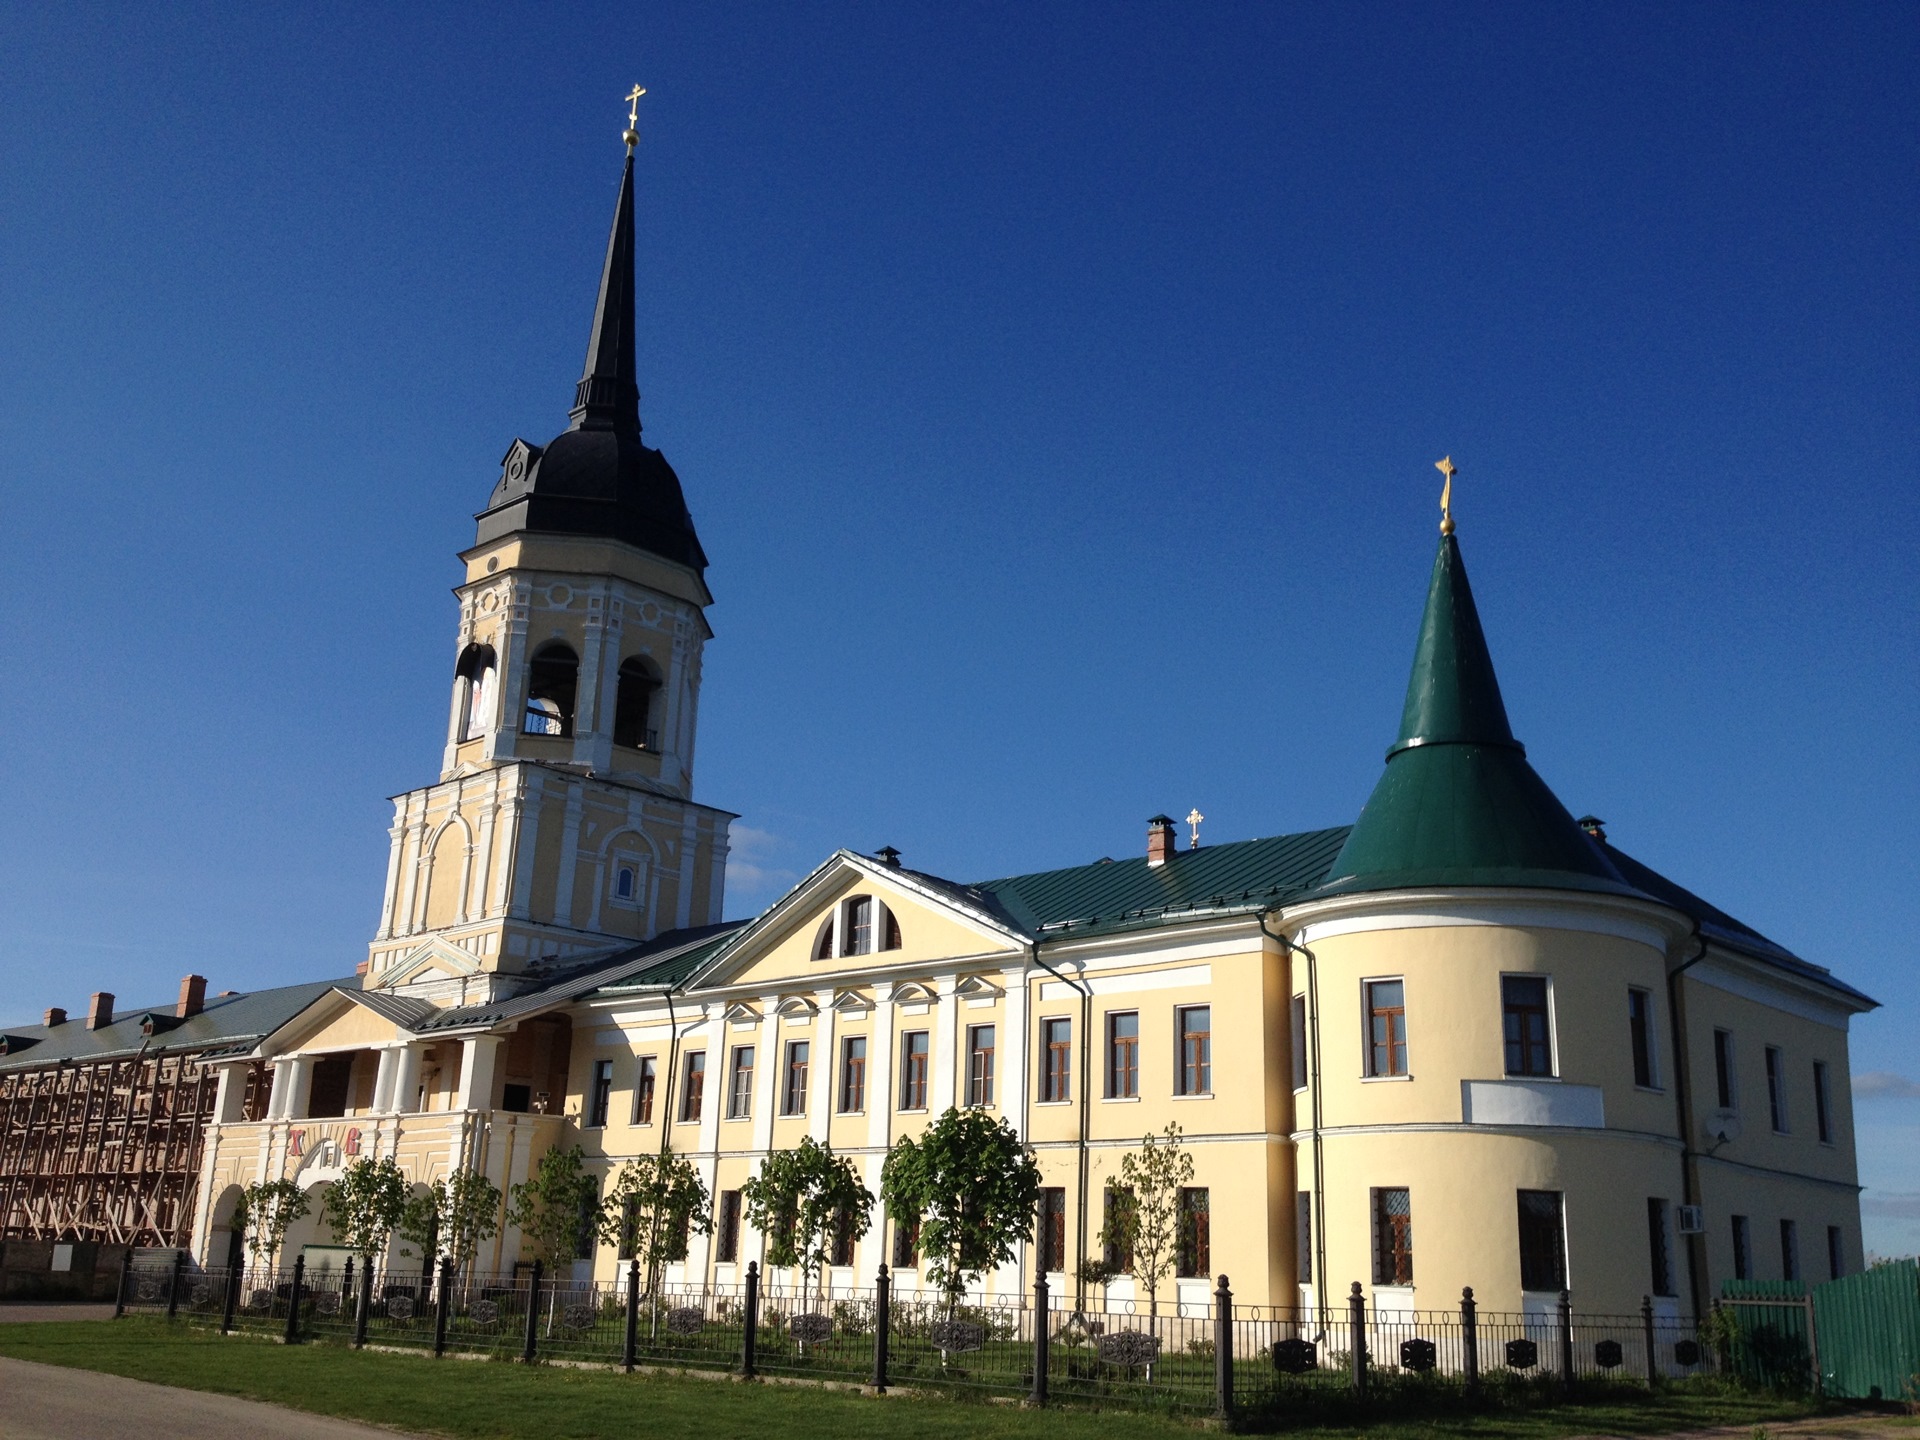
[632, 137]
[1194, 817]
[1447, 468]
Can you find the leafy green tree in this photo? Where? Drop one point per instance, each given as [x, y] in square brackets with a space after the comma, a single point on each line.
[1149, 1227]
[800, 1200]
[558, 1206]
[455, 1216]
[366, 1204]
[266, 1212]
[975, 1189]
[655, 1204]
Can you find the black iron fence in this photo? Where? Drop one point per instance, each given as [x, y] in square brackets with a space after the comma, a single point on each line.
[1219, 1358]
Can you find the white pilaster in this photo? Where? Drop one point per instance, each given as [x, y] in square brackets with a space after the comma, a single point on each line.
[821, 1082]
[1015, 1053]
[406, 1078]
[230, 1095]
[479, 1058]
[880, 1058]
[944, 1040]
[383, 1079]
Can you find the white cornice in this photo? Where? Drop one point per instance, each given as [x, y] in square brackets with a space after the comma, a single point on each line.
[1774, 986]
[1643, 922]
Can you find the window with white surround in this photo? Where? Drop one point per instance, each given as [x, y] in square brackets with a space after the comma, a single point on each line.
[476, 675]
[1386, 1002]
[1527, 1020]
[858, 925]
[1777, 1089]
[1822, 1103]
[1640, 1037]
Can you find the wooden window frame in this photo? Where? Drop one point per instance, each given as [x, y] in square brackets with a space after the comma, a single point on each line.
[1386, 1033]
[916, 1069]
[1392, 1234]
[1051, 1231]
[853, 1075]
[726, 1243]
[1535, 1251]
[1115, 1198]
[1193, 1253]
[693, 1097]
[646, 1081]
[740, 1083]
[980, 1066]
[600, 1096]
[1646, 1073]
[1520, 1063]
[1123, 1056]
[1194, 1076]
[1056, 1079]
[795, 1078]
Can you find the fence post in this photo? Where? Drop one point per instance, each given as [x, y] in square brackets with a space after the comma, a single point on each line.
[633, 1312]
[364, 1307]
[750, 1338]
[236, 1277]
[346, 1285]
[1223, 1349]
[1357, 1323]
[533, 1315]
[1038, 1395]
[440, 1310]
[1646, 1331]
[882, 1324]
[180, 1265]
[1566, 1342]
[293, 1299]
[1470, 1339]
[126, 1273]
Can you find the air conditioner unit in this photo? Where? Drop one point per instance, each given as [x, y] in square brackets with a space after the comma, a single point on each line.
[1692, 1220]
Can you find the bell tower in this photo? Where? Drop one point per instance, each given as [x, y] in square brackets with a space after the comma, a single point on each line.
[563, 822]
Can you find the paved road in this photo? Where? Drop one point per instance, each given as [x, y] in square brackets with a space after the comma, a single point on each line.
[51, 1402]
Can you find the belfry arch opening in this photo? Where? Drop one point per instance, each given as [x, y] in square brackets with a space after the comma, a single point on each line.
[475, 676]
[633, 720]
[553, 678]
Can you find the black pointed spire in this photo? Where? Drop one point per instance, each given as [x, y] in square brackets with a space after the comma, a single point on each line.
[608, 395]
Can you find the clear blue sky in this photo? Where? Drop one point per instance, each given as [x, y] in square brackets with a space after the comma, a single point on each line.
[1057, 391]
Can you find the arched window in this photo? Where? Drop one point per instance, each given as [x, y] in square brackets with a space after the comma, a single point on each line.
[823, 942]
[633, 705]
[624, 881]
[892, 941]
[860, 925]
[865, 926]
[552, 679]
[475, 675]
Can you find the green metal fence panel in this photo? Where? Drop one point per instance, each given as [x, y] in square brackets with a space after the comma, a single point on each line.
[1869, 1329]
[1771, 1343]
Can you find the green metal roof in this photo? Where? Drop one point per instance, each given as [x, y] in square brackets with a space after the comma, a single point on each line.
[230, 1024]
[1459, 805]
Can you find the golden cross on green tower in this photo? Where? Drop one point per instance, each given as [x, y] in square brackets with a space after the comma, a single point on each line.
[1447, 468]
[632, 135]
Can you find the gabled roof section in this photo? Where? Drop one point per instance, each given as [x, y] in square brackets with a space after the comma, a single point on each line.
[665, 959]
[229, 1025]
[1109, 895]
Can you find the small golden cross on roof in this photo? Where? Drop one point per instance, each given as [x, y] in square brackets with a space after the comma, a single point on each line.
[632, 137]
[1194, 817]
[1447, 468]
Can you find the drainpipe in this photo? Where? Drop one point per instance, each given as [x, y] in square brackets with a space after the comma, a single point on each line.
[1086, 1082]
[1689, 1156]
[1319, 1151]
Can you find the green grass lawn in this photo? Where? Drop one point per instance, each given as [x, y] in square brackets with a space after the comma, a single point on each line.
[486, 1399]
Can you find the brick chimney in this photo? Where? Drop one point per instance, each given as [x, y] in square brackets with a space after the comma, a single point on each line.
[193, 996]
[1161, 842]
[100, 1010]
[55, 1016]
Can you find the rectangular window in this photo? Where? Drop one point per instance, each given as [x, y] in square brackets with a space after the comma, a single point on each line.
[1195, 1025]
[693, 1090]
[1392, 1237]
[793, 1100]
[630, 1222]
[1299, 1042]
[1056, 1036]
[1303, 1236]
[859, 926]
[1723, 1067]
[1116, 1242]
[842, 1236]
[1523, 1005]
[643, 1092]
[1659, 1248]
[1640, 1031]
[1777, 1089]
[1123, 1055]
[727, 1242]
[740, 1086]
[600, 1097]
[913, 1070]
[1543, 1241]
[979, 1065]
[1789, 1250]
[1822, 1103]
[1386, 1027]
[586, 1233]
[1195, 1255]
[1053, 1228]
[1742, 1248]
[1836, 1253]
[853, 1075]
[906, 1243]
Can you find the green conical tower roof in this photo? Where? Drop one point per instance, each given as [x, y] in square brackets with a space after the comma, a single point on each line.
[1459, 804]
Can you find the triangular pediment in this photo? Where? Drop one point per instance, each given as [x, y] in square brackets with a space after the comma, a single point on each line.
[346, 1020]
[433, 959]
[853, 918]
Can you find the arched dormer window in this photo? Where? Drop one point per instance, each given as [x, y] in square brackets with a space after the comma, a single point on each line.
[633, 705]
[475, 675]
[552, 680]
[859, 925]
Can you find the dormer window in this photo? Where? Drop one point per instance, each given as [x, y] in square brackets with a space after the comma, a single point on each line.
[552, 680]
[633, 705]
[853, 928]
[475, 676]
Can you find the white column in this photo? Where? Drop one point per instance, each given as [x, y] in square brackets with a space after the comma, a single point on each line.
[383, 1079]
[823, 1079]
[944, 1039]
[292, 1086]
[479, 1057]
[406, 1078]
[230, 1095]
